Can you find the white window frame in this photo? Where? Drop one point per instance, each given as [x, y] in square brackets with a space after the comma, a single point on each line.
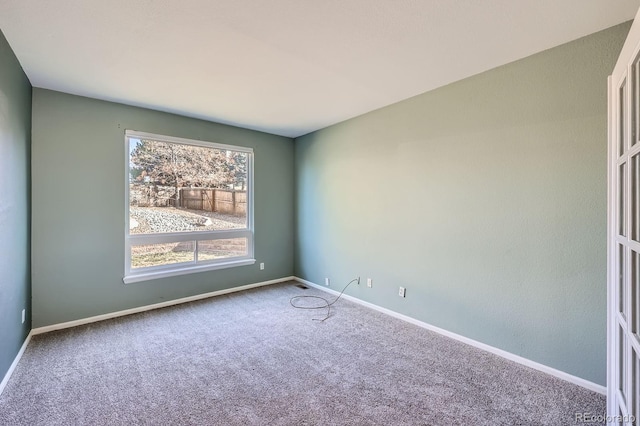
[162, 271]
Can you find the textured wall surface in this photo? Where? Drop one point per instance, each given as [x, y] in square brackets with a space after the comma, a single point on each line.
[78, 244]
[486, 199]
[15, 144]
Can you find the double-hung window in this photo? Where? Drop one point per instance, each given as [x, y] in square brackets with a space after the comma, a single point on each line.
[189, 206]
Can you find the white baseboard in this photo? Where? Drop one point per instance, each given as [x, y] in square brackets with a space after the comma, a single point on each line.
[7, 376]
[110, 315]
[502, 353]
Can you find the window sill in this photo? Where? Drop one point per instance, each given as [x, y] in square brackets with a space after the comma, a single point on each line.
[185, 270]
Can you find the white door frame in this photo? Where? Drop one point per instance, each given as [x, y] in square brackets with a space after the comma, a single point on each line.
[627, 321]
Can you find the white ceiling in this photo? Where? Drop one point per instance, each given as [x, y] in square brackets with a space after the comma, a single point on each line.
[283, 66]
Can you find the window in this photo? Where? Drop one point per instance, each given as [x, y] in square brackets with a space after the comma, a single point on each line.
[189, 206]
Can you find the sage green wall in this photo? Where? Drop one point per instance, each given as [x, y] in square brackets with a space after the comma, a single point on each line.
[15, 141]
[486, 199]
[78, 174]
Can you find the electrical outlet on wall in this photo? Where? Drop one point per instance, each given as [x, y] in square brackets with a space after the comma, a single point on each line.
[24, 315]
[369, 283]
[327, 282]
[402, 292]
[262, 266]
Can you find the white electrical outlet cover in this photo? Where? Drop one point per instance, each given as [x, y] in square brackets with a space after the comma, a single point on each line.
[369, 282]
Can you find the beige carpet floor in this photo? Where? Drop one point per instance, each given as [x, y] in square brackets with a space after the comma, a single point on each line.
[249, 358]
